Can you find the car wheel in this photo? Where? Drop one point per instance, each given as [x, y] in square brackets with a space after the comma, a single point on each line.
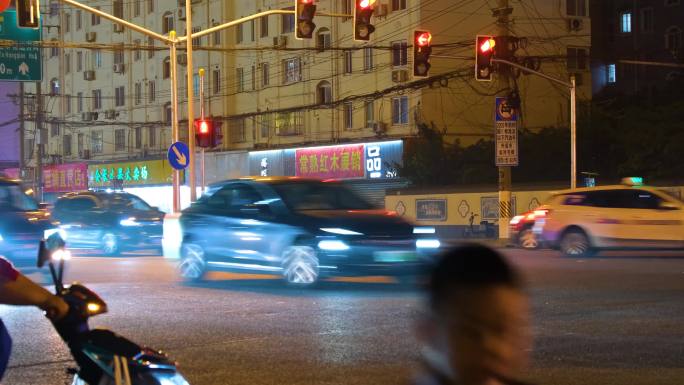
[192, 266]
[528, 239]
[300, 266]
[575, 243]
[110, 244]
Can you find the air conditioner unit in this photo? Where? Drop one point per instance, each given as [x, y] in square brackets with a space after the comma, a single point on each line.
[110, 114]
[89, 75]
[280, 42]
[119, 68]
[181, 13]
[381, 10]
[118, 28]
[379, 127]
[91, 36]
[182, 59]
[86, 154]
[399, 76]
[575, 24]
[86, 116]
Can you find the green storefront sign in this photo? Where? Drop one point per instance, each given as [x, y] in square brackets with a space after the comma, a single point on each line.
[151, 172]
[20, 62]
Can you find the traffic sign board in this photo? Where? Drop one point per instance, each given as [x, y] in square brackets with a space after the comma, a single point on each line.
[506, 120]
[179, 156]
[20, 62]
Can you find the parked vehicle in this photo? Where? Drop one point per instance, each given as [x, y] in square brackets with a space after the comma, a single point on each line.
[301, 228]
[109, 221]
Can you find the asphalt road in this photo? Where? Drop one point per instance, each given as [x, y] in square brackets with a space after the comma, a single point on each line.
[613, 319]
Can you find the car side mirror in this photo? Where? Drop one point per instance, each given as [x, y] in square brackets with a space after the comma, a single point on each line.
[668, 206]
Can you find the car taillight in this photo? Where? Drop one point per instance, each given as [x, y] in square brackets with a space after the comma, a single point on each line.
[516, 219]
[541, 213]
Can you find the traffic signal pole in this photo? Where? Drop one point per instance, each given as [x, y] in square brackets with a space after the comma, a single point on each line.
[201, 98]
[174, 118]
[191, 106]
[504, 77]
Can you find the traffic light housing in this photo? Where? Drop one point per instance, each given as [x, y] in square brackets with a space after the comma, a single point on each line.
[363, 11]
[28, 13]
[305, 10]
[484, 52]
[204, 133]
[422, 48]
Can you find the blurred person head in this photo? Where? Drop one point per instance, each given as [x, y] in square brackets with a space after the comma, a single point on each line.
[475, 328]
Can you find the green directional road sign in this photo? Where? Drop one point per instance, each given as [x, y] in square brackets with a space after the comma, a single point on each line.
[21, 61]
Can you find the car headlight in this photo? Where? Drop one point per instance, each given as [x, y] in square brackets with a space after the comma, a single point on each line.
[423, 230]
[332, 245]
[175, 379]
[129, 222]
[337, 230]
[62, 233]
[428, 244]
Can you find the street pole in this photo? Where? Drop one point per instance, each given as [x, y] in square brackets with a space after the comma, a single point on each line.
[22, 138]
[503, 77]
[38, 139]
[191, 112]
[573, 133]
[201, 95]
[174, 117]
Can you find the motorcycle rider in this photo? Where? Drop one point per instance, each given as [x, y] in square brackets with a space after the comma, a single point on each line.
[474, 330]
[17, 289]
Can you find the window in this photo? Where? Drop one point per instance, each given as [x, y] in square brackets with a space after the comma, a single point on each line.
[118, 56]
[119, 139]
[292, 71]
[289, 123]
[67, 63]
[347, 7]
[647, 20]
[197, 41]
[150, 6]
[118, 8]
[626, 22]
[237, 130]
[150, 47]
[97, 99]
[151, 91]
[576, 7]
[252, 30]
[138, 93]
[67, 103]
[67, 22]
[367, 58]
[348, 112]
[151, 139]
[119, 97]
[324, 93]
[238, 34]
[97, 58]
[400, 110]
[54, 86]
[266, 122]
[265, 75]
[216, 81]
[611, 73]
[54, 8]
[136, 8]
[253, 74]
[54, 51]
[398, 5]
[138, 137]
[240, 76]
[348, 62]
[195, 84]
[136, 52]
[54, 128]
[96, 142]
[79, 144]
[577, 59]
[288, 22]
[79, 102]
[370, 113]
[166, 69]
[66, 145]
[399, 53]
[673, 38]
[95, 19]
[217, 35]
[79, 20]
[79, 61]
[323, 40]
[263, 23]
[167, 22]
[168, 113]
[233, 197]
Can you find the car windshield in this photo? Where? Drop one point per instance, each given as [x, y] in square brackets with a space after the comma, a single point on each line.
[13, 198]
[320, 196]
[128, 202]
[671, 196]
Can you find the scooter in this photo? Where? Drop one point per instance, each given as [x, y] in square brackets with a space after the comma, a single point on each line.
[102, 356]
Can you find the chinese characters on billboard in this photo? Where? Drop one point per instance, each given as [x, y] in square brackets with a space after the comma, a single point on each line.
[338, 162]
[130, 173]
[65, 177]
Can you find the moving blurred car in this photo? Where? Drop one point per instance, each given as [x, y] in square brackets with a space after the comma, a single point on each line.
[22, 224]
[521, 230]
[582, 221]
[302, 229]
[109, 221]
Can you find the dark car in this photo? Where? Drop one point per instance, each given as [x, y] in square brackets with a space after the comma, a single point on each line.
[22, 224]
[109, 221]
[301, 228]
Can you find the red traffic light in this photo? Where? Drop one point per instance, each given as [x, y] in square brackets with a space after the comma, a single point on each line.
[363, 4]
[424, 39]
[203, 127]
[488, 45]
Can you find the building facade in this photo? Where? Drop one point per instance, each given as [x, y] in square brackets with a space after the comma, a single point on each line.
[106, 89]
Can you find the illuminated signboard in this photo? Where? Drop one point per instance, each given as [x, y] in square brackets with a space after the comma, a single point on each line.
[151, 172]
[65, 177]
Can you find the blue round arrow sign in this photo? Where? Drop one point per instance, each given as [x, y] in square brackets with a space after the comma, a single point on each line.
[179, 155]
